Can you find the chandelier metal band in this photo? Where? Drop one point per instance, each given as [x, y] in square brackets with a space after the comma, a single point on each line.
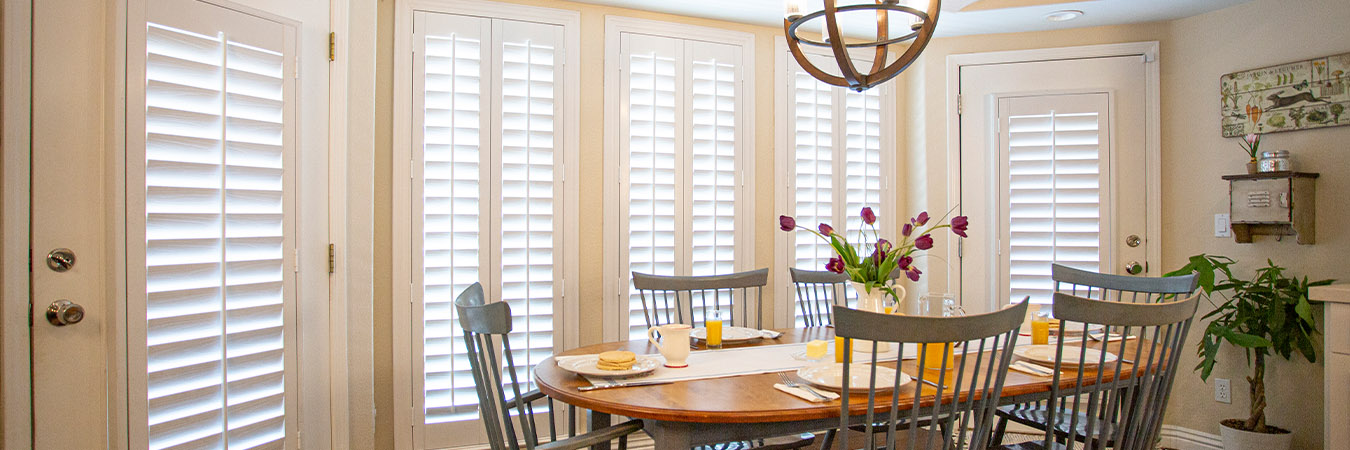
[880, 71]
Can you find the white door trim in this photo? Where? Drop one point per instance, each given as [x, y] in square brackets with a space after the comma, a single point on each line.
[1153, 143]
[16, 391]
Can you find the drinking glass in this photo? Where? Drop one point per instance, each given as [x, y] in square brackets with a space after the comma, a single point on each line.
[713, 323]
[938, 305]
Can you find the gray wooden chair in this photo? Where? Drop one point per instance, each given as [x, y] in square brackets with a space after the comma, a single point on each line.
[820, 290]
[1112, 410]
[486, 326]
[687, 299]
[970, 383]
[1098, 286]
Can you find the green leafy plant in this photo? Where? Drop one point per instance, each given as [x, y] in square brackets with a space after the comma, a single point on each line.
[1269, 314]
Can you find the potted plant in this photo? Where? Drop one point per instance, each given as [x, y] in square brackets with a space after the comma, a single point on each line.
[1250, 143]
[1267, 315]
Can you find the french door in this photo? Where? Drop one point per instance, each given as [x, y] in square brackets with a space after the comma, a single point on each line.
[1053, 169]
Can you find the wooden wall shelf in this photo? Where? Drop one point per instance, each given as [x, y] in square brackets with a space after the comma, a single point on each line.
[1272, 203]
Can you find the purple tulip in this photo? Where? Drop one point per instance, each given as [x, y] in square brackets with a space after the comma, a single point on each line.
[905, 261]
[883, 245]
[868, 216]
[922, 219]
[913, 273]
[960, 224]
[878, 257]
[907, 230]
[924, 242]
[835, 265]
[787, 223]
[826, 229]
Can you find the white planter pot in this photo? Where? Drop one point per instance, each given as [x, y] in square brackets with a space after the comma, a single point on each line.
[1235, 439]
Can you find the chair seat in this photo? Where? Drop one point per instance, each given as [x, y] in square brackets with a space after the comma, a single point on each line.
[1038, 417]
[774, 443]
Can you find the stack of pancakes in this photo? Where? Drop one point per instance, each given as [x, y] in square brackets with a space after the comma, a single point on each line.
[618, 360]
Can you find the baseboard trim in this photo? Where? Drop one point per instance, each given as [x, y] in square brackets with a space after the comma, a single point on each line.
[1182, 438]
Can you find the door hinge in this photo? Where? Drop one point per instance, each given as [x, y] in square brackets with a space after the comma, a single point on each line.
[960, 248]
[959, 107]
[332, 259]
[332, 46]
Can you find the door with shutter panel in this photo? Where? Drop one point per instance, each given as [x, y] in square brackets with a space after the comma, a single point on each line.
[1053, 170]
[203, 336]
[487, 203]
[680, 172]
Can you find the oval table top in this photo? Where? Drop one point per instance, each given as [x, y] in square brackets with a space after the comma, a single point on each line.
[736, 399]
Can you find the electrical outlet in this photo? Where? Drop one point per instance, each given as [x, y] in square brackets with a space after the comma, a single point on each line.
[1223, 390]
[1222, 226]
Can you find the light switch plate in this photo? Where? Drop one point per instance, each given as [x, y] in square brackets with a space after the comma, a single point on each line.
[1222, 228]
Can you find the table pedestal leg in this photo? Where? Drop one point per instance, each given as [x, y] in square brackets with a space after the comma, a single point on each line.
[597, 421]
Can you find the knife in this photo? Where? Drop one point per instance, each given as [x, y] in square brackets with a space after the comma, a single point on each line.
[619, 385]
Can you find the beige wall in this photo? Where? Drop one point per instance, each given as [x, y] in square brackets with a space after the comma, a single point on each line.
[1195, 52]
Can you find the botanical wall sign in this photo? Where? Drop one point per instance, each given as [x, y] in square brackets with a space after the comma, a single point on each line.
[1295, 96]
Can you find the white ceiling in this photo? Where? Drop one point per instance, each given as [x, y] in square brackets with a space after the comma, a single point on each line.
[951, 22]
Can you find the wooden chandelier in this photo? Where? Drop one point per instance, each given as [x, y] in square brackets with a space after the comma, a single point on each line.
[880, 72]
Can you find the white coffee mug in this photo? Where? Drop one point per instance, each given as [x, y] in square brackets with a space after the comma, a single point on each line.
[674, 343]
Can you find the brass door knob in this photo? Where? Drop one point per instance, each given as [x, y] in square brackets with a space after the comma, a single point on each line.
[64, 312]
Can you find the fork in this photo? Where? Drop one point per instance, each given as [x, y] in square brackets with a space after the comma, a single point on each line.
[793, 384]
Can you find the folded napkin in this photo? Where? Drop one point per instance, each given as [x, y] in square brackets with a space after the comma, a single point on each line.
[802, 394]
[1033, 369]
[770, 334]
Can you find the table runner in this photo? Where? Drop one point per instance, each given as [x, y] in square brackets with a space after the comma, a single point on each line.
[729, 362]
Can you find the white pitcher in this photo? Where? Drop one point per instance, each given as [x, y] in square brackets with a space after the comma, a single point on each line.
[674, 343]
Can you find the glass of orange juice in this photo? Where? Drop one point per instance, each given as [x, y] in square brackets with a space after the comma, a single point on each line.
[933, 355]
[1040, 328]
[714, 325]
[840, 354]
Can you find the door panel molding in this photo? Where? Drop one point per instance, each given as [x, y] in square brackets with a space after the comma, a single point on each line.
[15, 388]
[1148, 50]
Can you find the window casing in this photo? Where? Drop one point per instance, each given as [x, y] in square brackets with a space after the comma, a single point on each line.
[835, 153]
[679, 145]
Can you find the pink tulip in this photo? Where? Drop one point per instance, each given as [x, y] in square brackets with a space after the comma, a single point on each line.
[1252, 138]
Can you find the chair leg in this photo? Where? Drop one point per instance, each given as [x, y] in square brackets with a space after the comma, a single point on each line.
[996, 439]
[828, 440]
[623, 442]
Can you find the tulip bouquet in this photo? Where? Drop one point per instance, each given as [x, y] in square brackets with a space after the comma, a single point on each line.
[873, 271]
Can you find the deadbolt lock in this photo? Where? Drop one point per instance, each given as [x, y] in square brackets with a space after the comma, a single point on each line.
[61, 259]
[64, 312]
[1133, 240]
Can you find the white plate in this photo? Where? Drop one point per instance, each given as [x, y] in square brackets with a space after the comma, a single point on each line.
[1045, 354]
[831, 376]
[586, 366]
[729, 334]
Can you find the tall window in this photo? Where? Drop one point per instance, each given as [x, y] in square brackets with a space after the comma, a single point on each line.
[681, 135]
[835, 159]
[211, 230]
[487, 201]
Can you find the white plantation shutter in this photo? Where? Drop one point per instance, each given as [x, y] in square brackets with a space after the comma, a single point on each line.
[1055, 179]
[835, 138]
[453, 105]
[680, 148]
[486, 109]
[211, 196]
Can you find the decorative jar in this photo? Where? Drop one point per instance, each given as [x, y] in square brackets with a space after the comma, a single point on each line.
[1276, 161]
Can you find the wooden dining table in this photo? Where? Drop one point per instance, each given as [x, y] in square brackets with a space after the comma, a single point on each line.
[684, 414]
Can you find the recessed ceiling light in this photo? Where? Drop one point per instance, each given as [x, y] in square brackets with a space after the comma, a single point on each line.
[1064, 15]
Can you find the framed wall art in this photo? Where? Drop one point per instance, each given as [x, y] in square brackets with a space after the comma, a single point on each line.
[1288, 97]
